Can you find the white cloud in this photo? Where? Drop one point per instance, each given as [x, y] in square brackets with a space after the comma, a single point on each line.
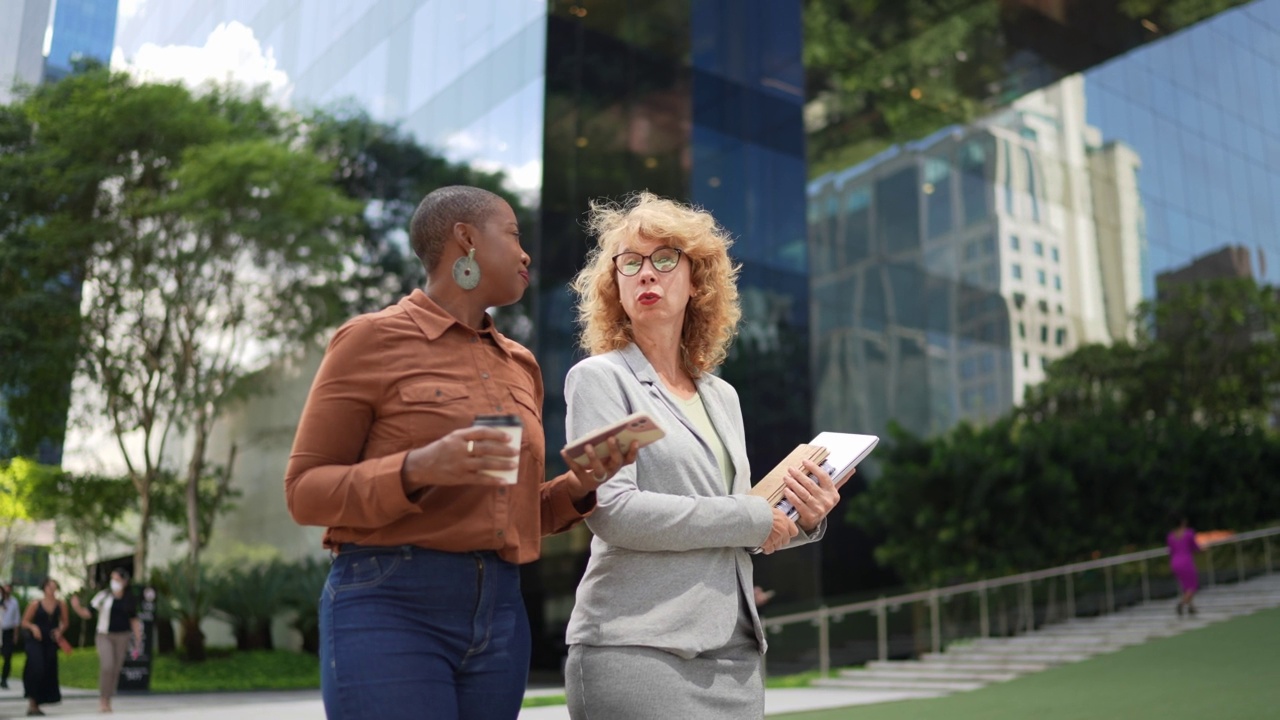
[128, 9]
[523, 180]
[231, 55]
[463, 144]
[481, 152]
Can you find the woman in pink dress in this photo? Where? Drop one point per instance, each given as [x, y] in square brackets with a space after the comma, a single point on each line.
[1182, 561]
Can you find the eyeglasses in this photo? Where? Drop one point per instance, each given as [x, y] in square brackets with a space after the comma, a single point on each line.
[664, 260]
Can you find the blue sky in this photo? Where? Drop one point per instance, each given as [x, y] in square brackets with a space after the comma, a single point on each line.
[1202, 109]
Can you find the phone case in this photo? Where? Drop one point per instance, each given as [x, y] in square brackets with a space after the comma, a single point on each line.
[637, 427]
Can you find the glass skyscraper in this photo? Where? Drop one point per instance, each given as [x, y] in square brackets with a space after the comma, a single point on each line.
[82, 30]
[929, 207]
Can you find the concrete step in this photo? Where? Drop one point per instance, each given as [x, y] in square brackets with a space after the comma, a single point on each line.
[996, 658]
[921, 671]
[1127, 621]
[1043, 648]
[1085, 628]
[943, 663]
[903, 684]
[1064, 640]
[1093, 629]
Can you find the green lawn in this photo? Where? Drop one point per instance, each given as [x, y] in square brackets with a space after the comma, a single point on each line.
[1227, 670]
[224, 670]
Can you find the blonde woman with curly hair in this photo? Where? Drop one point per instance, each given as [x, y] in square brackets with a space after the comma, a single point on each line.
[665, 623]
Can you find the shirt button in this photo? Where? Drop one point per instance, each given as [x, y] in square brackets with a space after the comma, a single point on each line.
[502, 491]
[475, 339]
[497, 408]
[484, 375]
[499, 533]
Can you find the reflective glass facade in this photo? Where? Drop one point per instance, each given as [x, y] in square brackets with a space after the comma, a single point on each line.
[82, 29]
[465, 78]
[949, 269]
[992, 189]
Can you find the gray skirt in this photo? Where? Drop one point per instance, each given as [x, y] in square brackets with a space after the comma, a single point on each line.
[643, 683]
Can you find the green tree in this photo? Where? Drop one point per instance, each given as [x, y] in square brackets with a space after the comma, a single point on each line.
[1102, 452]
[20, 482]
[387, 173]
[299, 595]
[1206, 352]
[187, 591]
[249, 596]
[86, 510]
[881, 72]
[205, 242]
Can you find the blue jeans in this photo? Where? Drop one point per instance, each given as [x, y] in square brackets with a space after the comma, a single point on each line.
[408, 634]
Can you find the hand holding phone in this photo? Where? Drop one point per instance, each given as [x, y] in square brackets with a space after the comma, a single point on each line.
[636, 427]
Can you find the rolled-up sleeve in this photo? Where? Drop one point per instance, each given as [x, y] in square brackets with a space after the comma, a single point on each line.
[326, 482]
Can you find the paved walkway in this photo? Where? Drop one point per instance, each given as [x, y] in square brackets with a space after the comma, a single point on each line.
[305, 705]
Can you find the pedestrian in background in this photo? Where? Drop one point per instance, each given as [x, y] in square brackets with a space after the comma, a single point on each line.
[117, 624]
[1182, 561]
[44, 622]
[10, 619]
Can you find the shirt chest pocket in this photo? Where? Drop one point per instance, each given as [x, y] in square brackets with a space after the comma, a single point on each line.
[433, 409]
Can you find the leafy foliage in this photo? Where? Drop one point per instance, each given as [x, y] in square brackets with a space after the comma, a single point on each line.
[387, 173]
[186, 591]
[248, 597]
[304, 582]
[1115, 441]
[199, 240]
[882, 72]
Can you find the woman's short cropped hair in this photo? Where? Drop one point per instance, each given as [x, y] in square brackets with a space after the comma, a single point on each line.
[711, 318]
[436, 215]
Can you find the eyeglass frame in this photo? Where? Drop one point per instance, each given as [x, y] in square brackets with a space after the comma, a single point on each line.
[678, 251]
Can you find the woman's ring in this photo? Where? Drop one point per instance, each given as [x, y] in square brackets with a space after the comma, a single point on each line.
[471, 447]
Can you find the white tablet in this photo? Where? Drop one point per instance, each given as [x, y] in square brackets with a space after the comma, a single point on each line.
[846, 451]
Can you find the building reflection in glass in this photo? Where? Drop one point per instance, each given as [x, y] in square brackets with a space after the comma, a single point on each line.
[948, 272]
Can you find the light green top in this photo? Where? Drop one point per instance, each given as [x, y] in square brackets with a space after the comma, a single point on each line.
[697, 412]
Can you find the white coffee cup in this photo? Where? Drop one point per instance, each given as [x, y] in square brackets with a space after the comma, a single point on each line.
[509, 424]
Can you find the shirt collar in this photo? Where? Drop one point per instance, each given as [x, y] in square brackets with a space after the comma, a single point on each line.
[434, 320]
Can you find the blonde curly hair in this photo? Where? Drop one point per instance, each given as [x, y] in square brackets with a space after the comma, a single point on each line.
[711, 318]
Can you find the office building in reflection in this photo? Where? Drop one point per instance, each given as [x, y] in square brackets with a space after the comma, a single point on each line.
[947, 273]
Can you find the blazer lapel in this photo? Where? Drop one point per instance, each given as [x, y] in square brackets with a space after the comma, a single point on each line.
[647, 376]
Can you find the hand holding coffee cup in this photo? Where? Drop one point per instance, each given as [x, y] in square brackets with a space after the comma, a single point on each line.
[467, 456]
[511, 427]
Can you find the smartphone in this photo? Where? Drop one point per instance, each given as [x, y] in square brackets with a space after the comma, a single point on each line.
[636, 427]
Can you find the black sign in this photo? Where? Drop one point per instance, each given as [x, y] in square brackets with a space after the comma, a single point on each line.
[135, 675]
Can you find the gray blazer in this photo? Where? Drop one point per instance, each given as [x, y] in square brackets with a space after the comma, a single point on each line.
[669, 563]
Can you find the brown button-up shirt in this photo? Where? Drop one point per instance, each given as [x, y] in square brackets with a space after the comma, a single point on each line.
[402, 378]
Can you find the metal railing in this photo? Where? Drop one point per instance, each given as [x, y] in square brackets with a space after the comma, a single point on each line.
[1125, 580]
